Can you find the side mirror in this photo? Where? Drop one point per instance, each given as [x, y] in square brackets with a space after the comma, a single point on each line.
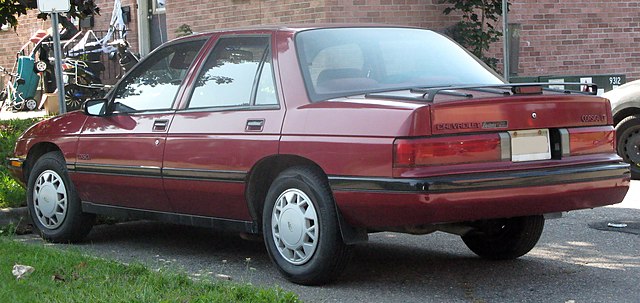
[97, 107]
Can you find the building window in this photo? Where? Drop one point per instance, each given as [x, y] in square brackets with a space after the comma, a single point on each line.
[158, 6]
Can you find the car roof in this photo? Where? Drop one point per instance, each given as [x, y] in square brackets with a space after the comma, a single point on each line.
[293, 28]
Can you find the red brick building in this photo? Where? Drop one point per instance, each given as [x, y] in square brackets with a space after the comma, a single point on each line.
[556, 37]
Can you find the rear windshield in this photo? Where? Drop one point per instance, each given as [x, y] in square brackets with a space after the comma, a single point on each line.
[340, 62]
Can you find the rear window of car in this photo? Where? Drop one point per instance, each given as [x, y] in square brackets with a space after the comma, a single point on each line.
[349, 61]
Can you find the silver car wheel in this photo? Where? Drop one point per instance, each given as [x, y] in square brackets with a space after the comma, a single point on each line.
[295, 227]
[50, 199]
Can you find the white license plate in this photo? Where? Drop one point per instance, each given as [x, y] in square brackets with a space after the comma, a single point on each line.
[530, 145]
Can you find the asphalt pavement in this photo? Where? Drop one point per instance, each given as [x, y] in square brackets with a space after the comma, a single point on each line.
[579, 258]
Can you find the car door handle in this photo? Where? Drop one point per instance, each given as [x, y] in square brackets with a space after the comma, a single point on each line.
[160, 125]
[254, 125]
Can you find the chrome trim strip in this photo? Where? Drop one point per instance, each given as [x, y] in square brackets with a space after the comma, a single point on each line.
[142, 171]
[157, 172]
[205, 175]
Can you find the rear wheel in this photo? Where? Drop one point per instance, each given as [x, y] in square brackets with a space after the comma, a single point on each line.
[54, 205]
[301, 231]
[503, 239]
[628, 138]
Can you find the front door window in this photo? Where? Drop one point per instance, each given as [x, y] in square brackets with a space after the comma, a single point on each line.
[154, 84]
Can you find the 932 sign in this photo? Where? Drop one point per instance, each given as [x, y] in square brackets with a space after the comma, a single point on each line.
[615, 80]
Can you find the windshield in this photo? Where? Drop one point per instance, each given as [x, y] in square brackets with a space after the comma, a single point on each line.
[349, 61]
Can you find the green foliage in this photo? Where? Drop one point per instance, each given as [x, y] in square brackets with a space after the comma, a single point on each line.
[7, 230]
[10, 10]
[11, 193]
[476, 30]
[183, 30]
[64, 276]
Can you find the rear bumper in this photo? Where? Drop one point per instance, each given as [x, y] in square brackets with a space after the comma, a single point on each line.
[388, 202]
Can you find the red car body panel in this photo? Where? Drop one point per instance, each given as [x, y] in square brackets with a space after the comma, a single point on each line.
[221, 142]
[381, 210]
[128, 142]
[200, 163]
[551, 112]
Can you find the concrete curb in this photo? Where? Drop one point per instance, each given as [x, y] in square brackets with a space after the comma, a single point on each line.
[18, 216]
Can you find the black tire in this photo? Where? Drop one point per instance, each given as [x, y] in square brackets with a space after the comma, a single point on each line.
[40, 66]
[49, 193]
[505, 239]
[628, 139]
[72, 102]
[328, 258]
[31, 104]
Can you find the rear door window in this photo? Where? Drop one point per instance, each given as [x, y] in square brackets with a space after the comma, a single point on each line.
[237, 73]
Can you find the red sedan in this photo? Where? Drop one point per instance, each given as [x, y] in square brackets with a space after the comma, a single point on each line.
[315, 137]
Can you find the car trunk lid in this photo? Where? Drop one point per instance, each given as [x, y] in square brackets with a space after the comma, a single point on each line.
[518, 113]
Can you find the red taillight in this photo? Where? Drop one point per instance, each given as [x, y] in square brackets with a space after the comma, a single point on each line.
[447, 150]
[592, 140]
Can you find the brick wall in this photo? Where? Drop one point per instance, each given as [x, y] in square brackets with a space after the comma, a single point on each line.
[577, 37]
[204, 15]
[101, 22]
[557, 36]
[11, 41]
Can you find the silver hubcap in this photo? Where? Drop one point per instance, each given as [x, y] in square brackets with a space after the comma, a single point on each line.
[41, 66]
[31, 104]
[294, 224]
[50, 199]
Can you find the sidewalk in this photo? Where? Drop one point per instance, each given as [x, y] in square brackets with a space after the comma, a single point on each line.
[8, 114]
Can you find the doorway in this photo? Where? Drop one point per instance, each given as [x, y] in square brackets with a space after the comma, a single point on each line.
[152, 25]
[157, 23]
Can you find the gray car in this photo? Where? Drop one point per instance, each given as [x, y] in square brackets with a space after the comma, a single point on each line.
[625, 106]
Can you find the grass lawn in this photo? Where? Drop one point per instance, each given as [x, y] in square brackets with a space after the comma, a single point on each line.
[11, 193]
[63, 276]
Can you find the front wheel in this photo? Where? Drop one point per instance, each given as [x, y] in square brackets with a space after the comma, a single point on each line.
[503, 239]
[54, 205]
[301, 231]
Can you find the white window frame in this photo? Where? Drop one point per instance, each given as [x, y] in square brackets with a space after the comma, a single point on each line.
[156, 9]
